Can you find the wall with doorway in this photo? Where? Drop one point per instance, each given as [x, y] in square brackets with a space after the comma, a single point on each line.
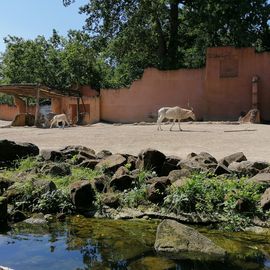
[89, 109]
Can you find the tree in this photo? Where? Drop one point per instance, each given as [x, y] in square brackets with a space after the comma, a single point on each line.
[58, 62]
[168, 34]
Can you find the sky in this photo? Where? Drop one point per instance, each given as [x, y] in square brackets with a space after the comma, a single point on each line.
[30, 18]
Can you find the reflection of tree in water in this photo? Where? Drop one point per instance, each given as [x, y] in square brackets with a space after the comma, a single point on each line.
[120, 250]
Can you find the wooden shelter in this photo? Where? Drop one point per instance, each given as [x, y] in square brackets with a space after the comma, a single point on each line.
[36, 91]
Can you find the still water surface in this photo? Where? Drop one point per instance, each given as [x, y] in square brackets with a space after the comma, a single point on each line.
[80, 244]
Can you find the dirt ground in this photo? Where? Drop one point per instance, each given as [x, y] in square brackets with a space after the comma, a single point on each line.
[218, 139]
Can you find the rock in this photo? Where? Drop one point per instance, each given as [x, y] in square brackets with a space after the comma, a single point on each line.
[122, 183]
[180, 182]
[73, 150]
[3, 210]
[90, 164]
[36, 219]
[103, 154]
[131, 161]
[178, 174]
[42, 186]
[170, 164]
[82, 195]
[180, 241]
[247, 168]
[121, 171]
[111, 163]
[5, 184]
[156, 191]
[56, 169]
[11, 151]
[236, 157]
[51, 155]
[112, 200]
[61, 216]
[151, 159]
[198, 163]
[17, 216]
[101, 183]
[23, 119]
[265, 200]
[261, 178]
[221, 169]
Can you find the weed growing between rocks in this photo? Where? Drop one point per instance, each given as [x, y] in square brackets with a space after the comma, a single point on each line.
[234, 200]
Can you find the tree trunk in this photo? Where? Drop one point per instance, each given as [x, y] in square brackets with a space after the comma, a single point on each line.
[173, 41]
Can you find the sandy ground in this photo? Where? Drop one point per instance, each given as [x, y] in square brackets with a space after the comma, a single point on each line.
[218, 139]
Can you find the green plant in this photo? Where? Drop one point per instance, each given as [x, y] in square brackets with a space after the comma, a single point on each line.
[55, 201]
[236, 200]
[77, 174]
[135, 197]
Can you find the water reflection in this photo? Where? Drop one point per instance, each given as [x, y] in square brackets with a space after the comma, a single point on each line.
[82, 244]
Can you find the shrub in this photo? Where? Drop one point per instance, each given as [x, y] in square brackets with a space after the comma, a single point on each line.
[56, 201]
[236, 200]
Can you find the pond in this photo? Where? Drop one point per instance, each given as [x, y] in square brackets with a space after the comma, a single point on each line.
[98, 244]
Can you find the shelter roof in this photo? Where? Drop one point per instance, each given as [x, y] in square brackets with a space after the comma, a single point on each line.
[30, 90]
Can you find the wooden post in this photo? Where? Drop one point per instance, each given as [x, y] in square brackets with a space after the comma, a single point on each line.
[78, 110]
[37, 107]
[254, 100]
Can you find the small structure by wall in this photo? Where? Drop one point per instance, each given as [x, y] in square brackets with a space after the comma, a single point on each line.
[89, 106]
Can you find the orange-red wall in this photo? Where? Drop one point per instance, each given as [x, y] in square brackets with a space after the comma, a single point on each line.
[227, 96]
[7, 112]
[156, 89]
[220, 91]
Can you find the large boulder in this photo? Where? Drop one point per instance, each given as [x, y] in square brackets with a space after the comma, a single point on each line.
[265, 200]
[82, 195]
[170, 164]
[122, 182]
[151, 159]
[247, 168]
[5, 184]
[56, 169]
[23, 119]
[111, 163]
[261, 178]
[199, 162]
[156, 191]
[11, 151]
[3, 210]
[75, 150]
[236, 157]
[180, 241]
[51, 155]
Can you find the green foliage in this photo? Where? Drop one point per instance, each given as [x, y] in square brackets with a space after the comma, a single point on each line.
[26, 164]
[58, 62]
[133, 35]
[56, 201]
[77, 174]
[236, 200]
[6, 99]
[137, 196]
